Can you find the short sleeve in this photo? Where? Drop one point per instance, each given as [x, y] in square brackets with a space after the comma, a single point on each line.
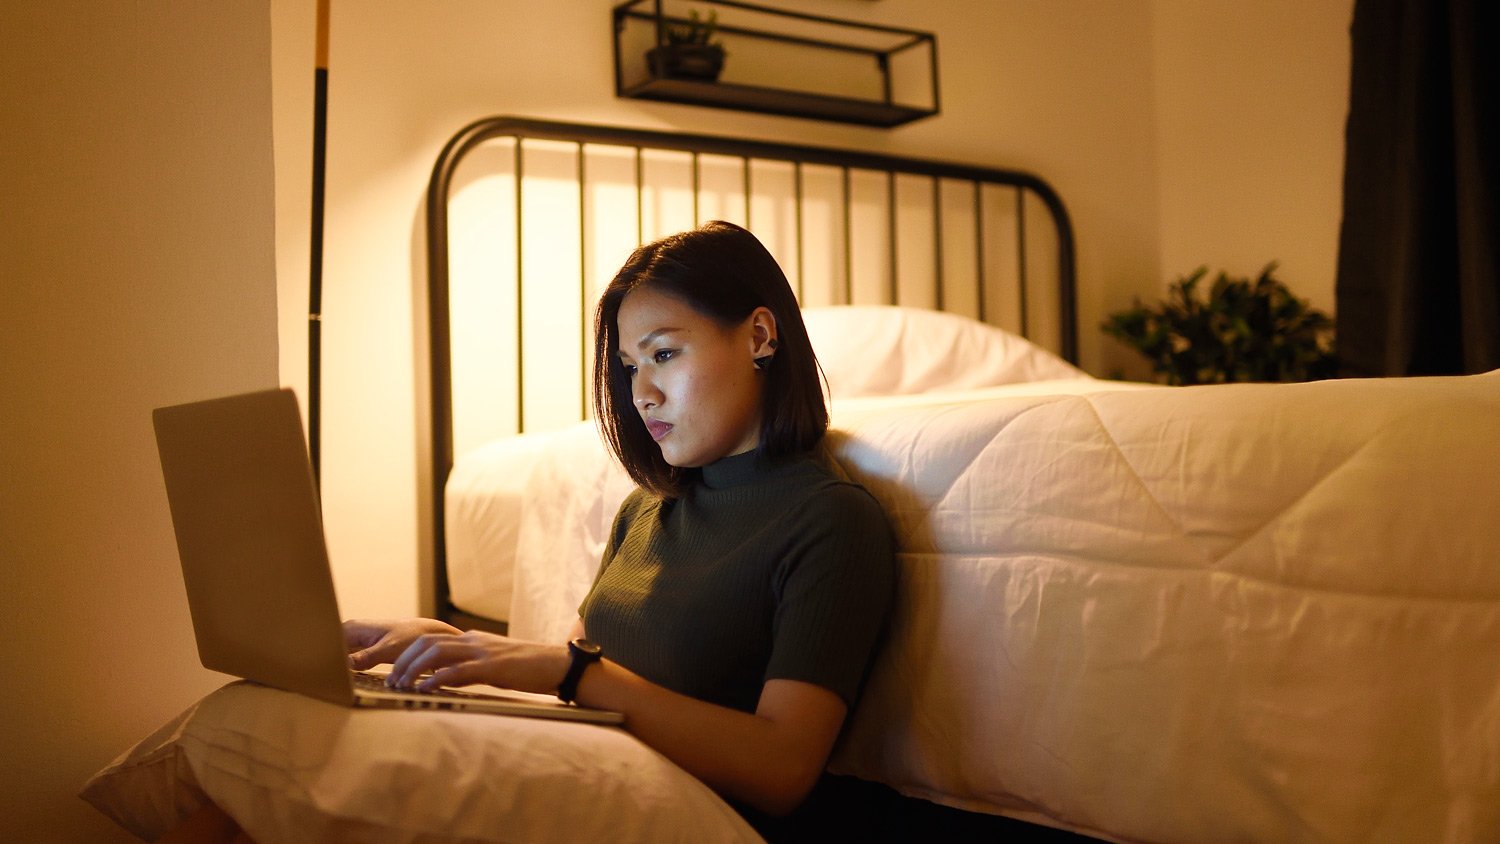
[833, 590]
[630, 509]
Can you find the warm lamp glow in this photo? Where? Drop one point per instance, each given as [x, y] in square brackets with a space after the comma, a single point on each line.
[576, 237]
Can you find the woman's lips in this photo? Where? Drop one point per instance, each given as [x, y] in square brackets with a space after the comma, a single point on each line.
[657, 429]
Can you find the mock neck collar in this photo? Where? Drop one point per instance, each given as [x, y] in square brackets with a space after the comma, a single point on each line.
[734, 470]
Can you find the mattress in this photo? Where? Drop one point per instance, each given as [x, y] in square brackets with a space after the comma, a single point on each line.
[554, 495]
[1249, 612]
[1237, 612]
[871, 355]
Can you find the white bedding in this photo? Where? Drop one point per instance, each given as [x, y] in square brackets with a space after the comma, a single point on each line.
[865, 351]
[293, 769]
[885, 350]
[1244, 612]
[1251, 612]
[531, 512]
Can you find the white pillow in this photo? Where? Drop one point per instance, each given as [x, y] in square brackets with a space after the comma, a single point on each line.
[884, 350]
[289, 768]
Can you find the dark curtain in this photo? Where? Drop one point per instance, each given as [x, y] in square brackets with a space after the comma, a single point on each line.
[1418, 288]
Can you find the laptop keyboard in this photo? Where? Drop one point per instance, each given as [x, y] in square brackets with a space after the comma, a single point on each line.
[366, 681]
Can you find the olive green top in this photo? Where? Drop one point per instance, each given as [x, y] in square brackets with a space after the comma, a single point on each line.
[757, 572]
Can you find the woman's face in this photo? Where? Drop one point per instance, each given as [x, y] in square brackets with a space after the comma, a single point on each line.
[693, 381]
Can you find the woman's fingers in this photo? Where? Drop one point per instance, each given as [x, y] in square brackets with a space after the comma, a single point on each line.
[439, 655]
[387, 649]
[402, 667]
[368, 658]
[428, 653]
[458, 674]
[479, 657]
[368, 643]
[372, 642]
[360, 634]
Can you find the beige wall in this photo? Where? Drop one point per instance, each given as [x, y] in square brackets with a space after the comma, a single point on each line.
[136, 270]
[1251, 100]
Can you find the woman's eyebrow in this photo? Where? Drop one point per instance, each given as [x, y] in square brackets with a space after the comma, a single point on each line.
[650, 338]
[646, 341]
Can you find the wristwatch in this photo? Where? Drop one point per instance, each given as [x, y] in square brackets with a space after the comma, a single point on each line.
[585, 653]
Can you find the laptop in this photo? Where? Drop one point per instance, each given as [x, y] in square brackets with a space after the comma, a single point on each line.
[254, 561]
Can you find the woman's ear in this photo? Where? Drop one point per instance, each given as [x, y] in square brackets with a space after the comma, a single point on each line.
[762, 333]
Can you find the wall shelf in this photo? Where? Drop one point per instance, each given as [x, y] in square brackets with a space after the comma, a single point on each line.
[775, 101]
[782, 62]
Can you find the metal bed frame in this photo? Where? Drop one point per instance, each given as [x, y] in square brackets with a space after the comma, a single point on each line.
[435, 593]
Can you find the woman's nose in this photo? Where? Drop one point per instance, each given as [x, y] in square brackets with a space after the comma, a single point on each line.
[645, 394]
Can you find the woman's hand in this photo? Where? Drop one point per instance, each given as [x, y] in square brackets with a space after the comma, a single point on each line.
[371, 643]
[480, 657]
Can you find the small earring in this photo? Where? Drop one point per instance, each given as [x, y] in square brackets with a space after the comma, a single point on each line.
[764, 362]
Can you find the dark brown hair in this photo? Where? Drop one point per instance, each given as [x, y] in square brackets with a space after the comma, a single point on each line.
[723, 272]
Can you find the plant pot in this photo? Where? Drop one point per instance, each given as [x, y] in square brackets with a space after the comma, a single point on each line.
[702, 62]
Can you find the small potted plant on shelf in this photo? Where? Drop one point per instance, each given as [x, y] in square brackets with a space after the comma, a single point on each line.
[690, 51]
[1242, 330]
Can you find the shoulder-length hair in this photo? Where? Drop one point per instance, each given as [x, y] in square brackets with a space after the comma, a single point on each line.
[723, 272]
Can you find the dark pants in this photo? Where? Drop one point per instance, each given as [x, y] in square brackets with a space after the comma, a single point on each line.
[850, 809]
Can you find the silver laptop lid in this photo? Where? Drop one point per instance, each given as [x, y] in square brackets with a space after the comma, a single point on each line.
[251, 542]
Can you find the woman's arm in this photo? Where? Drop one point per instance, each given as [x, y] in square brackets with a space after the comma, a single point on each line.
[769, 759]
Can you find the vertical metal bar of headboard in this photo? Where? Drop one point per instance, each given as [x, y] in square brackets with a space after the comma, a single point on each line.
[697, 186]
[520, 284]
[583, 289]
[745, 179]
[890, 228]
[937, 241]
[981, 280]
[1021, 260]
[797, 215]
[848, 243]
[640, 197]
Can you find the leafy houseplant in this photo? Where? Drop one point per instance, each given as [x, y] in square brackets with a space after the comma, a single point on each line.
[690, 51]
[1242, 330]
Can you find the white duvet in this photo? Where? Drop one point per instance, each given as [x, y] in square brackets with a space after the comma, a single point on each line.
[1231, 613]
[530, 513]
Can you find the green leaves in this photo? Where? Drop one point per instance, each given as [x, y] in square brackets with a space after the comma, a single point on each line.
[1241, 330]
[696, 30]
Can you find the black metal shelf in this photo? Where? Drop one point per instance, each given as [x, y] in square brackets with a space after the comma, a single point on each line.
[800, 41]
[775, 101]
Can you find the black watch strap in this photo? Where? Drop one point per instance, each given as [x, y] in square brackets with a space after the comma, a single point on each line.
[584, 653]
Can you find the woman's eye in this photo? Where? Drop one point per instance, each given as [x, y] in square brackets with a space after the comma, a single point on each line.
[630, 370]
[663, 355]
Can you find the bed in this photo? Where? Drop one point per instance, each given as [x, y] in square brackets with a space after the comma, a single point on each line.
[528, 220]
[1228, 613]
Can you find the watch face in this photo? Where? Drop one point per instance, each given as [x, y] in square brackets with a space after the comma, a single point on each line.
[586, 647]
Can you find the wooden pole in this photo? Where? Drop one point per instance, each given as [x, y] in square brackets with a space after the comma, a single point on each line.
[315, 275]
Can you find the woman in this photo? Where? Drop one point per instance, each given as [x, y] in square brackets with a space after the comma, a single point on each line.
[745, 583]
